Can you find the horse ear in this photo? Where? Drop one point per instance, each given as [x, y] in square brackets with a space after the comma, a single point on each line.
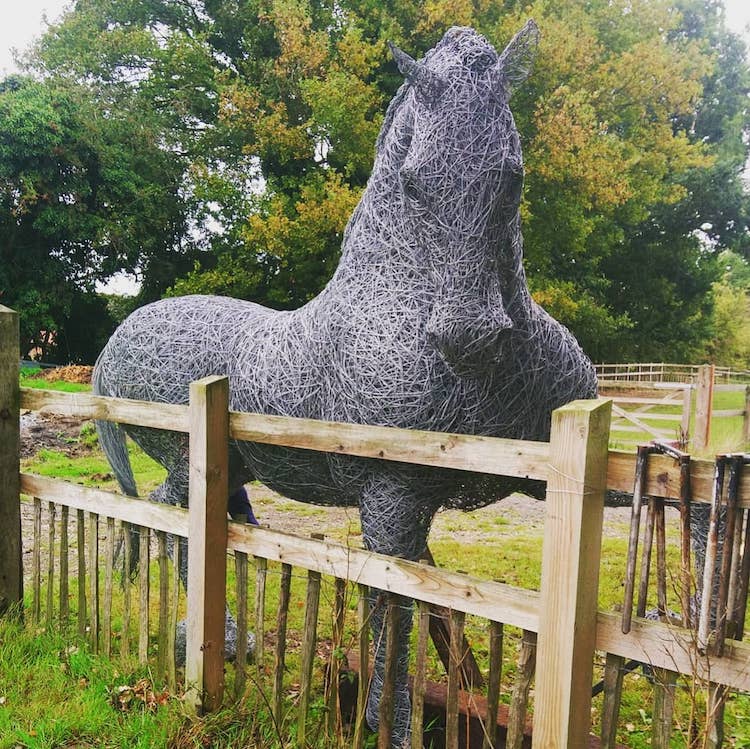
[517, 60]
[428, 84]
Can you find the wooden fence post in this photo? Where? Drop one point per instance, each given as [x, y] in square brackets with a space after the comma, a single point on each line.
[746, 417]
[207, 542]
[570, 574]
[703, 406]
[11, 569]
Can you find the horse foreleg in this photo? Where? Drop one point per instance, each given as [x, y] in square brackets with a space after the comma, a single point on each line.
[394, 522]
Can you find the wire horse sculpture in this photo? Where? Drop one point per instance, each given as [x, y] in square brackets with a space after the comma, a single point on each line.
[427, 323]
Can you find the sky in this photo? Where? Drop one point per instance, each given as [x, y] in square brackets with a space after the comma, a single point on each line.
[22, 22]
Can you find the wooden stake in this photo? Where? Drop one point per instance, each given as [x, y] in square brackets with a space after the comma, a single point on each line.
[144, 585]
[309, 640]
[281, 621]
[363, 622]
[36, 564]
[493, 687]
[521, 686]
[635, 523]
[64, 600]
[11, 553]
[81, 553]
[664, 694]
[161, 656]
[109, 565]
[648, 542]
[334, 664]
[454, 679]
[727, 554]
[704, 619]
[613, 677]
[173, 613]
[51, 562]
[94, 580]
[240, 574]
[388, 695]
[126, 599]
[261, 566]
[420, 676]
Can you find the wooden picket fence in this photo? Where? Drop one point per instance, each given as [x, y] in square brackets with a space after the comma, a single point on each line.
[561, 625]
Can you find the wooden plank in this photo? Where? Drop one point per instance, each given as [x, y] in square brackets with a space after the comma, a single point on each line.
[11, 551]
[664, 477]
[727, 412]
[570, 573]
[309, 641]
[492, 455]
[280, 648]
[671, 647]
[410, 579]
[144, 584]
[86, 406]
[363, 637]
[454, 678]
[420, 675]
[138, 511]
[616, 410]
[207, 571]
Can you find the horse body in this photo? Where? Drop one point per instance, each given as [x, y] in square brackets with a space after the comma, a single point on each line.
[427, 323]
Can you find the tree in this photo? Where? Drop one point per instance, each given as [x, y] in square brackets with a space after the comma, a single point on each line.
[83, 193]
[632, 128]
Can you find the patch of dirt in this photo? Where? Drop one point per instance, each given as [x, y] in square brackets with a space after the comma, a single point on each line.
[71, 373]
[51, 432]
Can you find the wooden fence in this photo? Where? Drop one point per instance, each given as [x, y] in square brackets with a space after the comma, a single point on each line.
[562, 618]
[664, 372]
[661, 409]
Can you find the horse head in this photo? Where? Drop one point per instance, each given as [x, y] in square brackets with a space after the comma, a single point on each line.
[460, 175]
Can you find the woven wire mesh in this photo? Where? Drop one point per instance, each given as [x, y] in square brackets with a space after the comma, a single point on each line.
[427, 323]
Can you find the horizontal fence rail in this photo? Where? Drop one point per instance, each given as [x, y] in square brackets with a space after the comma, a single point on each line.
[525, 459]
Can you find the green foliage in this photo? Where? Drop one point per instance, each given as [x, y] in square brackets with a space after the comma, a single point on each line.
[246, 130]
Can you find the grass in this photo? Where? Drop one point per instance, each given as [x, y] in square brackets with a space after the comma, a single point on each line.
[726, 431]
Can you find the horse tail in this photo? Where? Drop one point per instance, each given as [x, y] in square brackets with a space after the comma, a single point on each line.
[112, 442]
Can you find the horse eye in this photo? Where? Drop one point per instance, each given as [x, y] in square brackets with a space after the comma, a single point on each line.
[411, 187]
